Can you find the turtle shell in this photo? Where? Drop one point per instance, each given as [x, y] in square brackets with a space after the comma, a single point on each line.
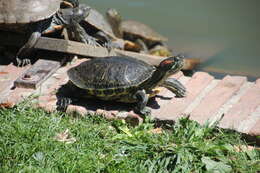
[26, 11]
[111, 76]
[140, 30]
[98, 21]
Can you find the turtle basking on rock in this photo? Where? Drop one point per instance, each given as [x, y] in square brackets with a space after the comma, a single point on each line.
[122, 79]
[37, 17]
[134, 31]
[97, 26]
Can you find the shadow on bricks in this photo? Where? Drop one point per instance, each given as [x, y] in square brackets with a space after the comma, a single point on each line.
[80, 98]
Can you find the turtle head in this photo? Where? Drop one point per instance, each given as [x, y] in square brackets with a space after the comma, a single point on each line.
[113, 14]
[82, 10]
[172, 65]
[69, 3]
[71, 16]
[114, 19]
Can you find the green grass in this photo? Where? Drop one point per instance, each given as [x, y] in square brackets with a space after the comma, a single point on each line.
[27, 144]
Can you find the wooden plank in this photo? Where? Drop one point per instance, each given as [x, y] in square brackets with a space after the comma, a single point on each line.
[77, 48]
[73, 47]
[38, 73]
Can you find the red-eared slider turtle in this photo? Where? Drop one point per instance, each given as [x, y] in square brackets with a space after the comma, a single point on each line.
[133, 30]
[36, 17]
[123, 79]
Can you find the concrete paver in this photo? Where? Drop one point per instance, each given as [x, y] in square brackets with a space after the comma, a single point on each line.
[243, 109]
[217, 97]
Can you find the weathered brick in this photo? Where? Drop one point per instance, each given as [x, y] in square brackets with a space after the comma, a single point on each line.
[175, 107]
[217, 97]
[257, 81]
[242, 110]
[255, 130]
[8, 75]
[17, 95]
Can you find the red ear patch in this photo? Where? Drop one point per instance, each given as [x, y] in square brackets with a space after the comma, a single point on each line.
[166, 62]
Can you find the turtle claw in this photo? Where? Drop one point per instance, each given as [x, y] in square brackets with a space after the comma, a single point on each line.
[92, 41]
[63, 103]
[181, 92]
[22, 62]
[145, 111]
[109, 46]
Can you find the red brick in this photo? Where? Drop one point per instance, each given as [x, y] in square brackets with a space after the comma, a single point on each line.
[177, 75]
[257, 81]
[17, 95]
[78, 109]
[255, 130]
[242, 110]
[217, 97]
[176, 106]
[8, 75]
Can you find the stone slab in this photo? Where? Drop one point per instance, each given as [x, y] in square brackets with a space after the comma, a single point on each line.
[242, 110]
[209, 106]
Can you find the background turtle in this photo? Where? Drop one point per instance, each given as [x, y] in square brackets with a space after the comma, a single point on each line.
[35, 17]
[97, 26]
[134, 31]
[124, 79]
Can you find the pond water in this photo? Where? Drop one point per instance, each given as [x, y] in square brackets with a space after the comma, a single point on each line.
[225, 34]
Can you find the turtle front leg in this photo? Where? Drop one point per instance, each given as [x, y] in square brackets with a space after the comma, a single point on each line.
[71, 19]
[105, 39]
[23, 53]
[142, 44]
[142, 99]
[80, 33]
[174, 86]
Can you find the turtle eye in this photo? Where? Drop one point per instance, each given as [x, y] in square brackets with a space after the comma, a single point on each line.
[178, 57]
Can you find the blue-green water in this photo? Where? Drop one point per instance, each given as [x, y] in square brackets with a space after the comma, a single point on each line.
[225, 34]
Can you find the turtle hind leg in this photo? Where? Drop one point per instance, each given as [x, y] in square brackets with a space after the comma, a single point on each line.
[104, 38]
[174, 86]
[63, 103]
[142, 99]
